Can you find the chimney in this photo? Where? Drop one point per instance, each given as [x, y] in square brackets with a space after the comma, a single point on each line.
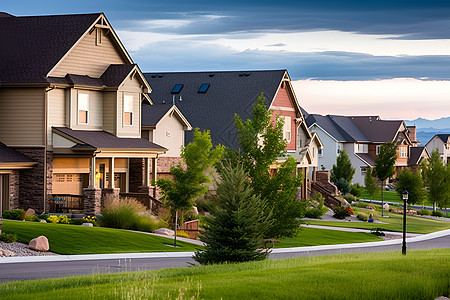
[412, 133]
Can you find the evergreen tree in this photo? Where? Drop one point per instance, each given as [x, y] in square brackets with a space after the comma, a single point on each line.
[411, 182]
[189, 181]
[384, 166]
[234, 232]
[370, 183]
[342, 169]
[261, 143]
[438, 180]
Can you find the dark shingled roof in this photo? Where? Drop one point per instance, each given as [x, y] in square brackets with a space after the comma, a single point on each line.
[8, 155]
[376, 130]
[151, 114]
[230, 92]
[31, 46]
[339, 127]
[114, 75]
[415, 155]
[367, 158]
[105, 140]
[444, 137]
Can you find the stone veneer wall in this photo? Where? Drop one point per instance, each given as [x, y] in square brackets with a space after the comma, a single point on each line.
[14, 190]
[31, 181]
[92, 201]
[164, 163]
[323, 179]
[136, 172]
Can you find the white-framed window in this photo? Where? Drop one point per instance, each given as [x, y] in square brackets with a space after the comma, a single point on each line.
[287, 129]
[378, 149]
[128, 110]
[320, 152]
[361, 148]
[338, 148]
[403, 151]
[363, 171]
[83, 108]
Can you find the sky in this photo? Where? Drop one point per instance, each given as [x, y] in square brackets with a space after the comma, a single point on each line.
[388, 58]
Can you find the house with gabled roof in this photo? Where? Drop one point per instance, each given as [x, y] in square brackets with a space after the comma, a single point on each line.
[361, 138]
[209, 100]
[441, 142]
[70, 104]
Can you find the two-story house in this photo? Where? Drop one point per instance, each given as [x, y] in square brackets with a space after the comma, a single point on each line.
[441, 142]
[361, 137]
[209, 100]
[70, 103]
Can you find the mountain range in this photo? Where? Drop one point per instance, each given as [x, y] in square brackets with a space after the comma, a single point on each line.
[426, 129]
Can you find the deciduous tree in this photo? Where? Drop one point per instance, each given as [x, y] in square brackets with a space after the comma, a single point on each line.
[371, 183]
[413, 183]
[438, 180]
[384, 166]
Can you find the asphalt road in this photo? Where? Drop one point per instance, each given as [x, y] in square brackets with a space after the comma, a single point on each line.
[54, 269]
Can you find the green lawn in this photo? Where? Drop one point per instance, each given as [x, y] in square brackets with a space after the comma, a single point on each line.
[316, 237]
[75, 239]
[421, 274]
[390, 196]
[395, 223]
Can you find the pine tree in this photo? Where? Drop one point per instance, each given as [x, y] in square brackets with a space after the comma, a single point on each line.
[234, 232]
[413, 183]
[370, 183]
[342, 169]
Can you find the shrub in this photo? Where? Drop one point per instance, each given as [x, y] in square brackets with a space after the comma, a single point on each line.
[361, 204]
[425, 212]
[342, 185]
[90, 219]
[341, 212]
[8, 237]
[183, 234]
[76, 221]
[437, 213]
[63, 219]
[356, 190]
[31, 218]
[316, 201]
[315, 213]
[43, 216]
[14, 214]
[147, 224]
[53, 219]
[362, 216]
[350, 198]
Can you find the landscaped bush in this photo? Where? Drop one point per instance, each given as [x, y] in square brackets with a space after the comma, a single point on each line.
[341, 212]
[362, 216]
[76, 221]
[437, 213]
[53, 219]
[356, 190]
[315, 213]
[342, 185]
[90, 219]
[31, 218]
[361, 204]
[8, 237]
[14, 214]
[425, 212]
[183, 234]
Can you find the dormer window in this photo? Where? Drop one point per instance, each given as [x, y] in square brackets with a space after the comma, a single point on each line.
[83, 108]
[128, 110]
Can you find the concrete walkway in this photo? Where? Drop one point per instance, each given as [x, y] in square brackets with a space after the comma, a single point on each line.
[408, 235]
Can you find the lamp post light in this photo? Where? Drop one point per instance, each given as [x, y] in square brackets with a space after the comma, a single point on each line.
[405, 199]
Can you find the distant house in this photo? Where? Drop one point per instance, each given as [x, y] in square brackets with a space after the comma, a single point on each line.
[441, 142]
[209, 100]
[361, 138]
[70, 104]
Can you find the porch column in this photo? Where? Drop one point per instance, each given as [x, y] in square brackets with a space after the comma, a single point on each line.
[92, 172]
[154, 175]
[146, 172]
[111, 173]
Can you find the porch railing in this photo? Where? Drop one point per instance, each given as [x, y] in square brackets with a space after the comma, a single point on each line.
[66, 203]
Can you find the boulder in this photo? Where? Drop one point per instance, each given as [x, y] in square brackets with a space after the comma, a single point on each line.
[43, 221]
[39, 244]
[165, 231]
[31, 211]
[88, 224]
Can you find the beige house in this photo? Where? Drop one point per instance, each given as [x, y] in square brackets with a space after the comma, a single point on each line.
[70, 102]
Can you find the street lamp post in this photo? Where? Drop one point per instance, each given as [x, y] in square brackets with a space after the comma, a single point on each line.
[405, 199]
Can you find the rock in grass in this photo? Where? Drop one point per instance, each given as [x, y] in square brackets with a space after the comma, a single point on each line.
[39, 244]
[87, 224]
[165, 231]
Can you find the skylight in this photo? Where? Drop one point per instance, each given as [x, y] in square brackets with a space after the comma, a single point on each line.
[203, 88]
[177, 88]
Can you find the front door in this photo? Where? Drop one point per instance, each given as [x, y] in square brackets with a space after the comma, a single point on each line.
[4, 192]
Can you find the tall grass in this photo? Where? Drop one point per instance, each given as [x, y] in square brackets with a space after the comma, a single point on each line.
[129, 214]
[422, 274]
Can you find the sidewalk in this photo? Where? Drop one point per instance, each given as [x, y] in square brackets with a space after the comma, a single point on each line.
[24, 259]
[408, 235]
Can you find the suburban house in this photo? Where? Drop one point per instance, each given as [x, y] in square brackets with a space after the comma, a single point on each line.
[361, 138]
[209, 100]
[442, 143]
[70, 115]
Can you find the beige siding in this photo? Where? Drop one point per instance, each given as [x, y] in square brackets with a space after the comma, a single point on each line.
[87, 58]
[109, 112]
[131, 86]
[95, 115]
[169, 133]
[22, 116]
[56, 111]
